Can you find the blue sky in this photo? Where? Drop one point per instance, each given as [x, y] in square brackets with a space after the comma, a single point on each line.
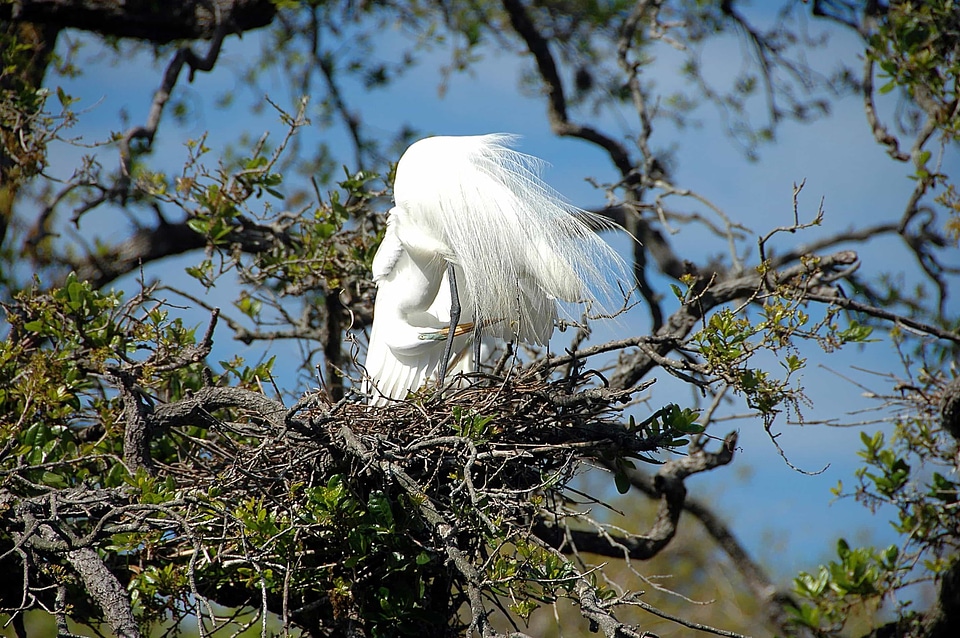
[784, 517]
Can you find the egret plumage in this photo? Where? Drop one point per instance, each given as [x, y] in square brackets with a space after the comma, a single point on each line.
[472, 209]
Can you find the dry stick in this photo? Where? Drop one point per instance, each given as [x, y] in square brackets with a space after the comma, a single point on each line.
[880, 313]
[686, 623]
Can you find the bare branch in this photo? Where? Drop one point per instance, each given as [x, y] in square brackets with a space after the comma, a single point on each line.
[146, 131]
[880, 313]
[103, 586]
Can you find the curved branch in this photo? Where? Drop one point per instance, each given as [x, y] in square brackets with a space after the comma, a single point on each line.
[198, 409]
[880, 132]
[147, 131]
[773, 601]
[557, 101]
[667, 485]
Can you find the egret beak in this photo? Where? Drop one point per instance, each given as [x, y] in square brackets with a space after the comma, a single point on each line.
[441, 334]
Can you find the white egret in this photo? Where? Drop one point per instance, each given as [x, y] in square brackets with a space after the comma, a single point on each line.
[476, 242]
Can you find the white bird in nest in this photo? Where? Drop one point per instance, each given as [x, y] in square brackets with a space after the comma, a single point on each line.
[476, 245]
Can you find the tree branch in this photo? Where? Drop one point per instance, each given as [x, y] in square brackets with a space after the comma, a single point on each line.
[557, 101]
[157, 22]
[146, 131]
[880, 132]
[880, 313]
[198, 409]
[633, 367]
[773, 601]
[104, 587]
[667, 486]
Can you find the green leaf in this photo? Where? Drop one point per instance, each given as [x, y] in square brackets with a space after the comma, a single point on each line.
[199, 225]
[54, 480]
[622, 482]
[34, 326]
[855, 333]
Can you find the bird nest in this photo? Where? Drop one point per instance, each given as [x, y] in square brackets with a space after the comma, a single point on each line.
[491, 440]
[503, 438]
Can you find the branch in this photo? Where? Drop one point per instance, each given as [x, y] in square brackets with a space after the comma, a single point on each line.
[324, 62]
[165, 240]
[593, 610]
[774, 602]
[686, 623]
[136, 429]
[198, 409]
[146, 131]
[443, 529]
[667, 485]
[880, 132]
[631, 368]
[880, 313]
[104, 587]
[98, 581]
[941, 621]
[557, 102]
[854, 235]
[157, 22]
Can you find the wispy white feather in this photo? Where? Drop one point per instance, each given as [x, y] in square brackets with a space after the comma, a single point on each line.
[477, 202]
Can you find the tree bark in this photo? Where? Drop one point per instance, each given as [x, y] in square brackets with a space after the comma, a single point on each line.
[104, 587]
[157, 22]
